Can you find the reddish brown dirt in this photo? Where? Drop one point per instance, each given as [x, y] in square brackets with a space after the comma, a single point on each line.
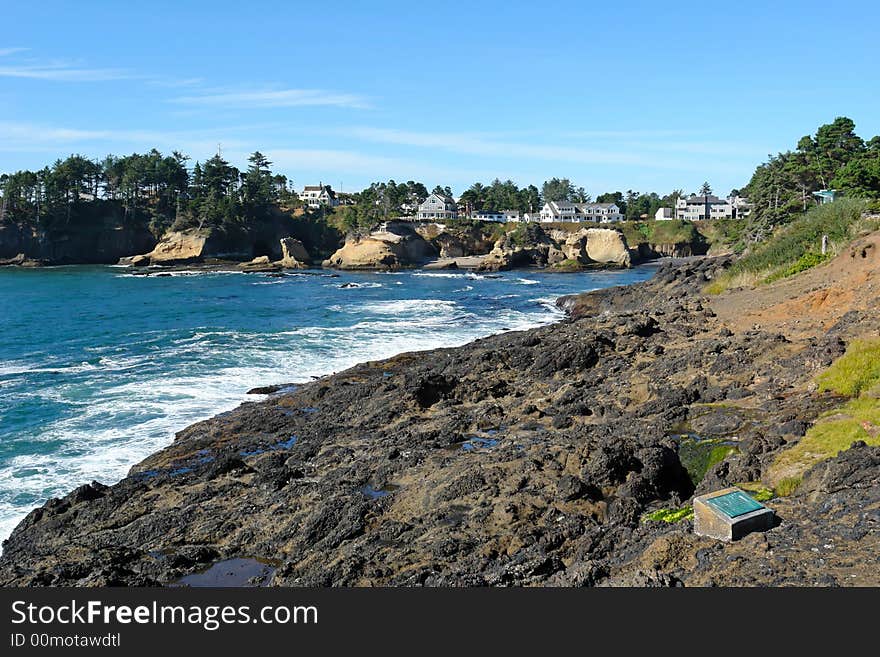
[812, 302]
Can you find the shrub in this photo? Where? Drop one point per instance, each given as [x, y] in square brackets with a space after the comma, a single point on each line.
[796, 247]
[805, 262]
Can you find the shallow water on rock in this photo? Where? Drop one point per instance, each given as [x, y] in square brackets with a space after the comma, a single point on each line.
[231, 572]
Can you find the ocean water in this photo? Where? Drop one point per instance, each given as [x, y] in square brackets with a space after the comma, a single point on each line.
[99, 367]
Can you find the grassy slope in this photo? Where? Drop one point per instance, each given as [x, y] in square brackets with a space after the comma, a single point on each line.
[856, 375]
[797, 246]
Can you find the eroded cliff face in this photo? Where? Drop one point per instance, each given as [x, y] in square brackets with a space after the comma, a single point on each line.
[458, 241]
[101, 241]
[607, 246]
[532, 246]
[270, 241]
[398, 246]
[294, 254]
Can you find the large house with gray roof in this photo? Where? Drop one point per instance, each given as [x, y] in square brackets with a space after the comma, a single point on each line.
[704, 207]
[438, 206]
[566, 212]
[315, 196]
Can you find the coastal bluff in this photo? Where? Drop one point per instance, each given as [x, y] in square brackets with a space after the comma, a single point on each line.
[391, 246]
[524, 458]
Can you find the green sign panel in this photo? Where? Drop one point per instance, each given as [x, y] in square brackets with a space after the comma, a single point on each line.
[735, 504]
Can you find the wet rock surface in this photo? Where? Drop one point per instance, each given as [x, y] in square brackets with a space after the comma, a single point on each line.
[525, 458]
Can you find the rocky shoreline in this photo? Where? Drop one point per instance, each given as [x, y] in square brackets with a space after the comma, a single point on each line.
[525, 458]
[393, 245]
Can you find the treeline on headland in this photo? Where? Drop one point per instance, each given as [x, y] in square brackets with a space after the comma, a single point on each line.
[155, 193]
[834, 158]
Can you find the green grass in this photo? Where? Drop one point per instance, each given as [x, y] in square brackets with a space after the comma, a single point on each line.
[787, 486]
[797, 246]
[858, 370]
[670, 515]
[568, 265]
[758, 491]
[670, 231]
[828, 437]
[698, 456]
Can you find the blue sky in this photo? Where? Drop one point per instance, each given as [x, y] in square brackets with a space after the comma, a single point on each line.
[614, 95]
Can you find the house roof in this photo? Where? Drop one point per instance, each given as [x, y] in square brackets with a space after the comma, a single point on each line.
[702, 200]
[601, 206]
[442, 197]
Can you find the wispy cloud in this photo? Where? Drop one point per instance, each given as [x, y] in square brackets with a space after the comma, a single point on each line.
[62, 71]
[479, 145]
[11, 132]
[663, 152]
[11, 51]
[19, 136]
[269, 98]
[338, 161]
[626, 134]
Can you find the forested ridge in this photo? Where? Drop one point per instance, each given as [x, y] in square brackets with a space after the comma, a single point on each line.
[159, 193]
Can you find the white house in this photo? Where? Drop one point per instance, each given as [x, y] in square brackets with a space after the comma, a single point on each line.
[505, 216]
[601, 212]
[664, 214]
[741, 206]
[563, 211]
[438, 206]
[701, 208]
[560, 211]
[317, 195]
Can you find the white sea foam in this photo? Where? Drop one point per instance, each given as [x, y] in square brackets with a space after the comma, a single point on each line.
[351, 286]
[13, 370]
[439, 274]
[126, 416]
[550, 304]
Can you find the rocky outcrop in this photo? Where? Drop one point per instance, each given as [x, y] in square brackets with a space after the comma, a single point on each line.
[530, 246]
[21, 260]
[177, 248]
[197, 246]
[650, 251]
[527, 246]
[294, 254]
[458, 241]
[394, 247]
[607, 246]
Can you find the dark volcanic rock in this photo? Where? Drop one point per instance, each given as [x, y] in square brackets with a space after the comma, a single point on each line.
[519, 459]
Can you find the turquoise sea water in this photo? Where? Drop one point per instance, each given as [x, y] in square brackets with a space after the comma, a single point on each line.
[99, 367]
